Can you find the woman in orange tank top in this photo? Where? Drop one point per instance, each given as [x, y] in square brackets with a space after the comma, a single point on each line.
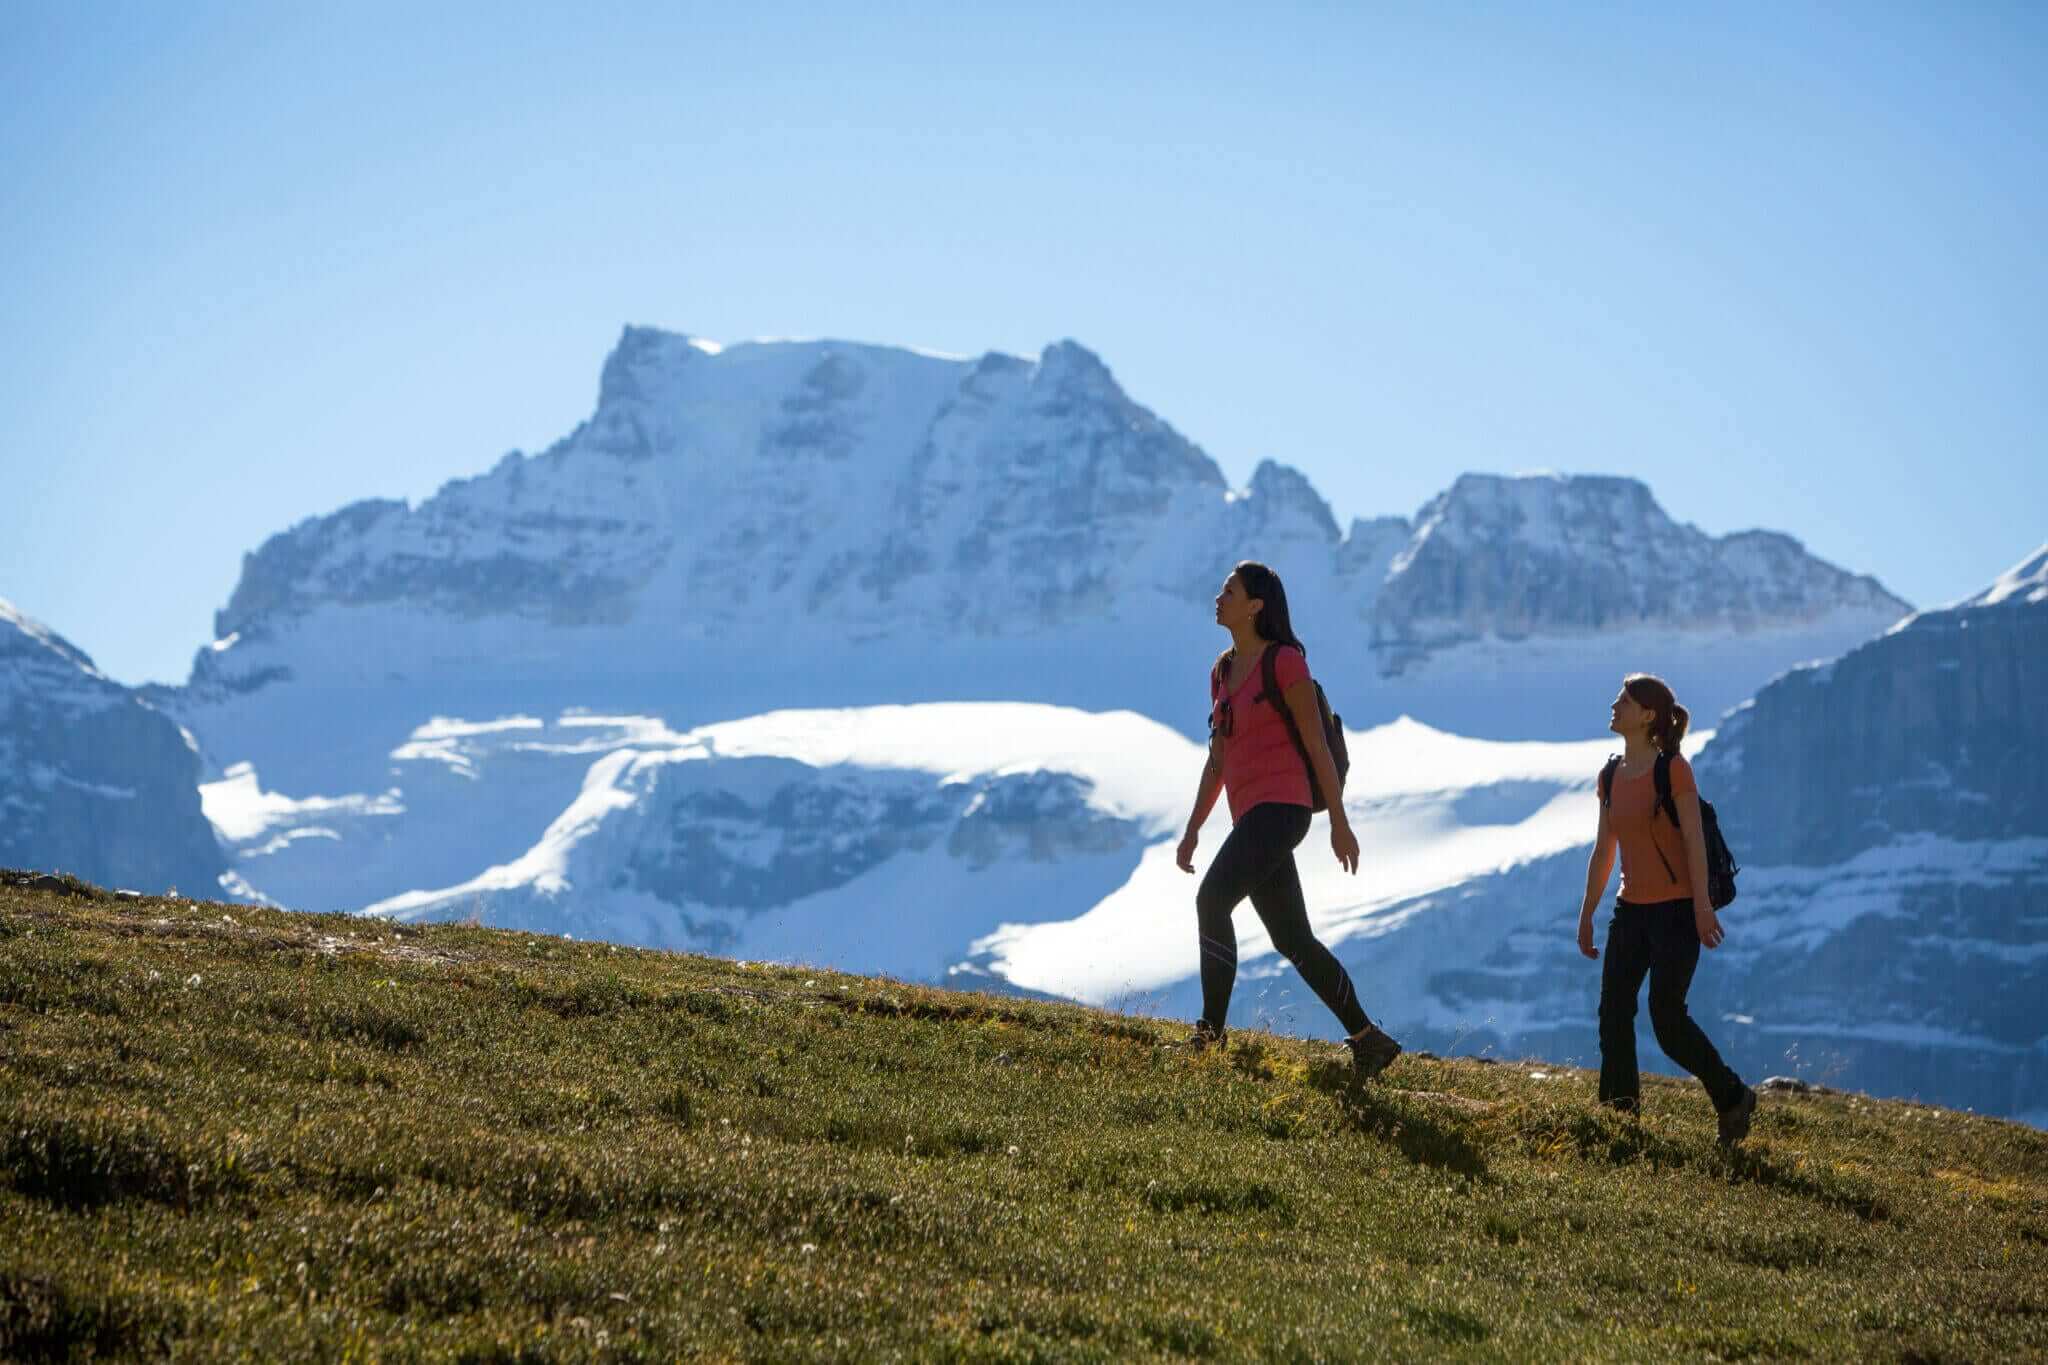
[1662, 917]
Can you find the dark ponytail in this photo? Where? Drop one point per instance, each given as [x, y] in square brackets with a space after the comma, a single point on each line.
[1668, 719]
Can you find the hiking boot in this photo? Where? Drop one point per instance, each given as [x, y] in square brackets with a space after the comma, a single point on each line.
[1735, 1118]
[1371, 1051]
[1205, 1036]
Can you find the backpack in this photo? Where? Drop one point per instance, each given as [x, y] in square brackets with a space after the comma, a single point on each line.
[1333, 725]
[1721, 864]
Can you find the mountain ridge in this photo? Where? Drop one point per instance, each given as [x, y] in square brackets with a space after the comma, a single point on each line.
[93, 779]
[875, 493]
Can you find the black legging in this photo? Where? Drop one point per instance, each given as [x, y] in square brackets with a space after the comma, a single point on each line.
[1661, 941]
[1257, 860]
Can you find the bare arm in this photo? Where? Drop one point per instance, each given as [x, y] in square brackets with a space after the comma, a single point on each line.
[1209, 787]
[1704, 918]
[1599, 867]
[1206, 791]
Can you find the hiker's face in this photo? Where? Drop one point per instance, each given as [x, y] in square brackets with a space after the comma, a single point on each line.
[1629, 717]
[1233, 608]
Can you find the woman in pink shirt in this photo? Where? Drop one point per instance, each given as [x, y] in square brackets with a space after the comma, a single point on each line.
[1253, 757]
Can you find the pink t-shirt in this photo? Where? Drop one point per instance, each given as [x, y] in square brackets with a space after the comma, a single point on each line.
[1260, 762]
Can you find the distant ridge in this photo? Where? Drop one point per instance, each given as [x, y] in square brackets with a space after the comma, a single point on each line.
[853, 492]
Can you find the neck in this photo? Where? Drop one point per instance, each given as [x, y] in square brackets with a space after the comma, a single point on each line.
[1637, 749]
[1245, 640]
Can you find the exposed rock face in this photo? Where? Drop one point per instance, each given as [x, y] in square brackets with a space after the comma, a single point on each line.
[734, 846]
[93, 780]
[1936, 728]
[812, 832]
[1511, 558]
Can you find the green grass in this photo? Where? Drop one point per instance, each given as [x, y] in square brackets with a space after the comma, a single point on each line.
[231, 1132]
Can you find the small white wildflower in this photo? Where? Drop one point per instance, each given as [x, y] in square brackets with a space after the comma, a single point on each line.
[808, 1248]
[192, 982]
[810, 983]
[1013, 1149]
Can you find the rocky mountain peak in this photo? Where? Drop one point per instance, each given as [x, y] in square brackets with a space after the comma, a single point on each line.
[1545, 511]
[27, 643]
[1507, 557]
[643, 360]
[1281, 500]
[1069, 365]
[93, 780]
[2024, 585]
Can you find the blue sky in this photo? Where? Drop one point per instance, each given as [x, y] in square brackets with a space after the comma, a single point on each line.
[1781, 262]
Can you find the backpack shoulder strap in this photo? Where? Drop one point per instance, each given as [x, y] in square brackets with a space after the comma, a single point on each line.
[1269, 669]
[1270, 691]
[1607, 779]
[1663, 770]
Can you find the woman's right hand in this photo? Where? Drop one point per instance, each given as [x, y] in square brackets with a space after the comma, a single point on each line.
[1586, 936]
[1184, 856]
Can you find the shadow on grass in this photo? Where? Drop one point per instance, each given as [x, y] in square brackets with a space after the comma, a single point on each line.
[350, 1022]
[925, 1010]
[1446, 1324]
[1622, 1140]
[1425, 1138]
[41, 1318]
[1220, 1196]
[57, 985]
[80, 1164]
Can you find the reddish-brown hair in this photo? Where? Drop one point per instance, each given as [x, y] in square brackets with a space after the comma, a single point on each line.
[1667, 718]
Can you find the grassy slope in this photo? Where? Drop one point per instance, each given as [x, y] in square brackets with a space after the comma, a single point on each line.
[227, 1131]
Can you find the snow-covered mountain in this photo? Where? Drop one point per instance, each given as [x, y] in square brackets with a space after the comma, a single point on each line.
[1510, 559]
[775, 524]
[93, 780]
[856, 655]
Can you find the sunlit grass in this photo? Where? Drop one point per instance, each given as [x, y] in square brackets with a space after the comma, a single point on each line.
[228, 1132]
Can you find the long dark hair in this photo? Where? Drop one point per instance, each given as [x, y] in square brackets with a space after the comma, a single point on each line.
[1669, 719]
[1273, 623]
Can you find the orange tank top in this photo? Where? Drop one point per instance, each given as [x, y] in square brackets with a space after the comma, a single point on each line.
[1645, 833]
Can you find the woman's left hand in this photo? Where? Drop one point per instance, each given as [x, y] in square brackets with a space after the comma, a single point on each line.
[1344, 844]
[1709, 925]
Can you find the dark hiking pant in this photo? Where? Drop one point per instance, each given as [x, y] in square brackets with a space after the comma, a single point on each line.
[1257, 860]
[1659, 940]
